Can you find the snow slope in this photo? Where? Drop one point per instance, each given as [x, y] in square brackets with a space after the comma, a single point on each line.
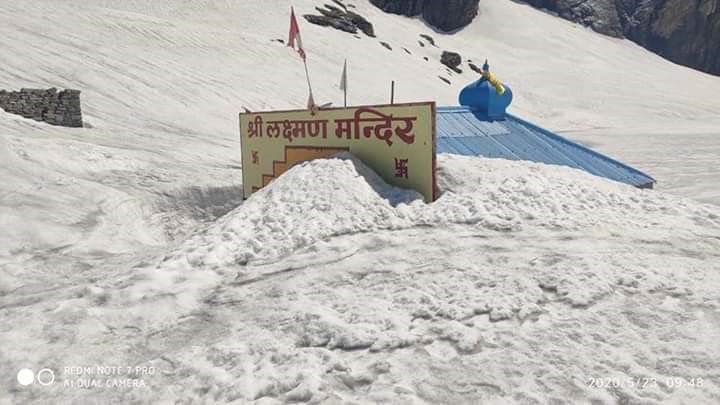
[142, 62]
[126, 243]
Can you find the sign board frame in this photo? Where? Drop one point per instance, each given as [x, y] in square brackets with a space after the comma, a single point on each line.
[293, 136]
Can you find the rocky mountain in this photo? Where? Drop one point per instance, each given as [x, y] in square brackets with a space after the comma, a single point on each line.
[446, 15]
[684, 31]
[600, 15]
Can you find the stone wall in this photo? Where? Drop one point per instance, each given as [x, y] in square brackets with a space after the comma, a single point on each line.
[56, 108]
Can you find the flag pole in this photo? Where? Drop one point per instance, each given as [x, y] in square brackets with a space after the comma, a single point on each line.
[346, 84]
[295, 36]
[307, 76]
[392, 92]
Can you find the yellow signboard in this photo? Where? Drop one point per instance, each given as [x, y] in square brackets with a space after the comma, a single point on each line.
[397, 141]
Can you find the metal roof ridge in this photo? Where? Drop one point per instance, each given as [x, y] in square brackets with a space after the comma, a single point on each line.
[454, 108]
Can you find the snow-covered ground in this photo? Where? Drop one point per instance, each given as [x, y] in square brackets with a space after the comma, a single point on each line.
[686, 164]
[126, 244]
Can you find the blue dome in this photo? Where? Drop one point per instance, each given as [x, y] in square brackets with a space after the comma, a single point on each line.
[482, 97]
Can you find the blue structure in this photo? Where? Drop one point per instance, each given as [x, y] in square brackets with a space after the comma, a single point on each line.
[481, 127]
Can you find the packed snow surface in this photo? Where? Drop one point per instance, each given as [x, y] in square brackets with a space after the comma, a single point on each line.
[523, 282]
[126, 244]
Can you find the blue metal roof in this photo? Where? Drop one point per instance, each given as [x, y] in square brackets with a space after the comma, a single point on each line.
[468, 131]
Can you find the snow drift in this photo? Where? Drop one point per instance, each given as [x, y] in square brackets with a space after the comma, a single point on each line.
[324, 198]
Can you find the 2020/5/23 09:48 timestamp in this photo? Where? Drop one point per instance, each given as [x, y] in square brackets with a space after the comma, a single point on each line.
[643, 382]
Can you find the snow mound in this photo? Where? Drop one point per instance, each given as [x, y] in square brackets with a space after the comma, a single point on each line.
[310, 202]
[517, 193]
[331, 197]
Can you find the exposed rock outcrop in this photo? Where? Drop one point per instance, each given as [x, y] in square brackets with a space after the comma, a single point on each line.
[341, 19]
[429, 39]
[325, 21]
[409, 8]
[685, 31]
[475, 67]
[445, 15]
[451, 60]
[450, 15]
[600, 15]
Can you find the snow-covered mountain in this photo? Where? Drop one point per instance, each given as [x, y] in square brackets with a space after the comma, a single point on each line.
[126, 243]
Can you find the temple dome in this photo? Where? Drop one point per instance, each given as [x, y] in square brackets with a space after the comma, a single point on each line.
[483, 97]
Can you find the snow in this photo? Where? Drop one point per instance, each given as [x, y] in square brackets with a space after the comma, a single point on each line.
[683, 164]
[126, 244]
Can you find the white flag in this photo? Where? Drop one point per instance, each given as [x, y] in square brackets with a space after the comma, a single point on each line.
[343, 78]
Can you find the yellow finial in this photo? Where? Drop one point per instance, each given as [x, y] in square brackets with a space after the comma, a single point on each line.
[499, 88]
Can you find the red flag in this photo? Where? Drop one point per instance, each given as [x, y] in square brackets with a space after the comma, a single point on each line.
[295, 35]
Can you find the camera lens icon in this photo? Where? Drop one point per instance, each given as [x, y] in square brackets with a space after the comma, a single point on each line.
[44, 377]
[25, 376]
